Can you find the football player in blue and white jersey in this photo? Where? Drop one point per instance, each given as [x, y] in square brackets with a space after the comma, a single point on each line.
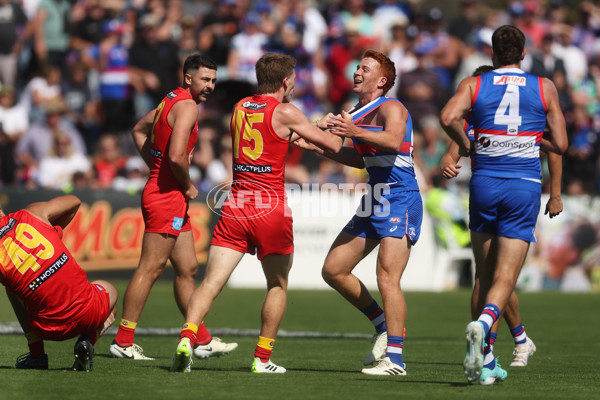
[509, 110]
[524, 346]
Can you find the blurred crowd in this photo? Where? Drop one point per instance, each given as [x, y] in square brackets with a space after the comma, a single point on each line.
[76, 75]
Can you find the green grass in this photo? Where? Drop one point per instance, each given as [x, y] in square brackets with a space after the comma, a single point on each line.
[564, 328]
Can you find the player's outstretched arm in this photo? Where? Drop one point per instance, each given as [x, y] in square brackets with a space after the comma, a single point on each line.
[289, 116]
[390, 138]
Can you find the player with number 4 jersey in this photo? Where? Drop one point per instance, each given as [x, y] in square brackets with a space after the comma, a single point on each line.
[509, 117]
[509, 111]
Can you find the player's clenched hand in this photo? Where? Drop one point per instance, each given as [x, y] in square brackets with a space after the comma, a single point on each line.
[450, 170]
[554, 206]
[303, 144]
[191, 193]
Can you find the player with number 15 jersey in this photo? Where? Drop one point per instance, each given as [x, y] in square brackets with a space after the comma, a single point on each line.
[256, 216]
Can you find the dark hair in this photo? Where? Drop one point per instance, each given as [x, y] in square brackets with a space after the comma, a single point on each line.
[388, 69]
[508, 43]
[482, 69]
[196, 61]
[271, 70]
[584, 236]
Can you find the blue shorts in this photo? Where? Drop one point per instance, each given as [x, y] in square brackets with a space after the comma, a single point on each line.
[395, 214]
[504, 207]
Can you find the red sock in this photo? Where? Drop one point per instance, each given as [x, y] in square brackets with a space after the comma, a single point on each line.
[263, 354]
[126, 333]
[203, 337]
[264, 348]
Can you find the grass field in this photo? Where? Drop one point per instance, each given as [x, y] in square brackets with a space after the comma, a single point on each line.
[564, 327]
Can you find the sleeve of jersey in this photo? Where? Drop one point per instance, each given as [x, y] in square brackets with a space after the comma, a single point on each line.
[59, 231]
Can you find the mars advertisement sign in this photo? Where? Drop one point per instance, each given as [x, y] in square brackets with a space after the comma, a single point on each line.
[107, 231]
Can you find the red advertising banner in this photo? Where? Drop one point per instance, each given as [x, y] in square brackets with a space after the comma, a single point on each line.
[107, 231]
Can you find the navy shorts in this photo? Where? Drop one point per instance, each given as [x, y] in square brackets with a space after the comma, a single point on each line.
[504, 207]
[395, 214]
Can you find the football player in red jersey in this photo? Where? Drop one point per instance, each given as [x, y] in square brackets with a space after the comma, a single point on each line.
[166, 138]
[256, 218]
[48, 290]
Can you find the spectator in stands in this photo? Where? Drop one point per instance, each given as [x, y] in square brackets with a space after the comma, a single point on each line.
[51, 33]
[445, 51]
[421, 90]
[58, 167]
[217, 30]
[38, 140]
[110, 58]
[219, 171]
[573, 57]
[464, 24]
[356, 15]
[13, 36]
[341, 60]
[143, 55]
[581, 158]
[87, 30]
[82, 104]
[532, 25]
[430, 146]
[543, 62]
[42, 91]
[475, 54]
[135, 178]
[314, 27]
[108, 161]
[13, 124]
[246, 48]
[398, 49]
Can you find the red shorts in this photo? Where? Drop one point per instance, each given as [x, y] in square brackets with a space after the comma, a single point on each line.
[88, 319]
[267, 234]
[165, 212]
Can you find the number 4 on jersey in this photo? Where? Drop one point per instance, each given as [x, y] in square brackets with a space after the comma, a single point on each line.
[508, 110]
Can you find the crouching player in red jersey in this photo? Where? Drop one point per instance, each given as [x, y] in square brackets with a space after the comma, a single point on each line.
[48, 290]
[256, 218]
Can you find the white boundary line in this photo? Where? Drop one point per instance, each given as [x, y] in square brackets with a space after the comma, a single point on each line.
[13, 328]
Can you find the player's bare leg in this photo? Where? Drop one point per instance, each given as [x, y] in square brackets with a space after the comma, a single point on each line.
[185, 266]
[524, 346]
[276, 269]
[346, 252]
[221, 263]
[156, 249]
[391, 262]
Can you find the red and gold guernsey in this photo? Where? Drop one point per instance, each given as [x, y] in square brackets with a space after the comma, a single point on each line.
[160, 174]
[37, 267]
[259, 154]
[256, 219]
